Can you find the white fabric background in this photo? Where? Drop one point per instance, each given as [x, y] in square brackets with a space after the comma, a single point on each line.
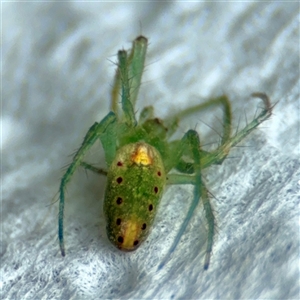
[56, 79]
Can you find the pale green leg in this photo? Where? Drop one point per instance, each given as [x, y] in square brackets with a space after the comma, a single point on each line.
[191, 140]
[129, 74]
[192, 179]
[207, 159]
[217, 156]
[211, 224]
[93, 134]
[222, 100]
[183, 166]
[127, 106]
[136, 60]
[90, 167]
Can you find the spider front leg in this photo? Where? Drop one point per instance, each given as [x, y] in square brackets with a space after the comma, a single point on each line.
[191, 141]
[228, 141]
[217, 156]
[128, 76]
[94, 133]
[219, 101]
[222, 101]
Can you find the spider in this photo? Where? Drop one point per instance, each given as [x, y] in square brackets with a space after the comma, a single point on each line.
[141, 160]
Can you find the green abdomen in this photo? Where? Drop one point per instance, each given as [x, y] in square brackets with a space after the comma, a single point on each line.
[135, 183]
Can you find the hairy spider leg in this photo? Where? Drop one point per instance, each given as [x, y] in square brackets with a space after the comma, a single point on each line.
[206, 159]
[129, 72]
[222, 100]
[211, 223]
[94, 133]
[127, 106]
[218, 155]
[190, 139]
[90, 167]
[186, 167]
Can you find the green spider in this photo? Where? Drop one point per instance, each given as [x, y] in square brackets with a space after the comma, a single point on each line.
[141, 160]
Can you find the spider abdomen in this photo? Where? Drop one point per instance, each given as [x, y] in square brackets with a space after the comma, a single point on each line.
[135, 183]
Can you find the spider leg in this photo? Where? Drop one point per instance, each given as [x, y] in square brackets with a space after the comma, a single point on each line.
[191, 139]
[211, 224]
[205, 160]
[136, 60]
[115, 93]
[128, 77]
[92, 135]
[217, 156]
[222, 100]
[93, 169]
[189, 179]
[186, 167]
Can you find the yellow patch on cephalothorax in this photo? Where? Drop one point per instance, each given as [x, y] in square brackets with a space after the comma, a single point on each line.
[142, 155]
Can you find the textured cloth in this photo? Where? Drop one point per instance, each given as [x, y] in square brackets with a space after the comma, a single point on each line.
[57, 71]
